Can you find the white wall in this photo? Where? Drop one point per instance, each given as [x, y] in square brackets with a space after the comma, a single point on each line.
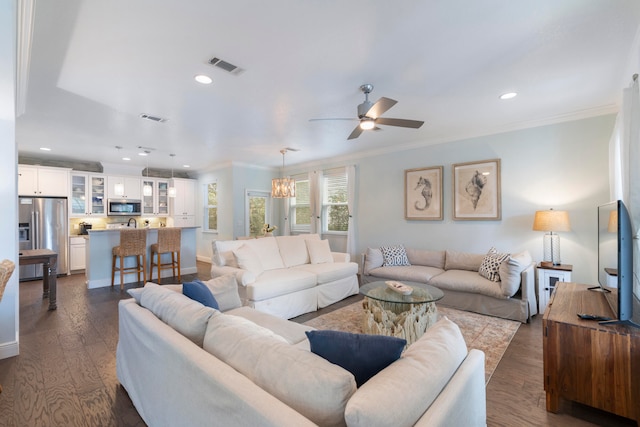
[563, 166]
[9, 317]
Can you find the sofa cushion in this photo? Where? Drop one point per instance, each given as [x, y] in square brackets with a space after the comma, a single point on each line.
[268, 252]
[427, 258]
[186, 316]
[362, 355]
[225, 291]
[273, 283]
[510, 271]
[462, 261]
[330, 272]
[403, 391]
[319, 251]
[293, 332]
[198, 291]
[373, 259]
[248, 260]
[317, 389]
[412, 273]
[394, 255]
[490, 267]
[223, 252]
[293, 250]
[467, 281]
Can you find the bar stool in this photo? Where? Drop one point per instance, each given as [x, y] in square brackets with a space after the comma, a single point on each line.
[132, 243]
[169, 240]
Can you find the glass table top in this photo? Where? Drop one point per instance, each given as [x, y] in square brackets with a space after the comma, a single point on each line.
[422, 293]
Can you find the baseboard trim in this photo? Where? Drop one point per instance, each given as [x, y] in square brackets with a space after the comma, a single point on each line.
[9, 349]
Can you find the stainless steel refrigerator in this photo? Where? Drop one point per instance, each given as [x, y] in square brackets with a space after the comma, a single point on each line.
[43, 224]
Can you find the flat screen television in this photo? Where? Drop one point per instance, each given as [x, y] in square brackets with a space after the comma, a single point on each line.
[615, 263]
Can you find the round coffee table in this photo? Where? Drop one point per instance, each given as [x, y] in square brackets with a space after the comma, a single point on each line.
[387, 312]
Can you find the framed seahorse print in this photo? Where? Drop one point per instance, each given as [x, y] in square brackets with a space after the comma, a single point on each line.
[423, 193]
[476, 190]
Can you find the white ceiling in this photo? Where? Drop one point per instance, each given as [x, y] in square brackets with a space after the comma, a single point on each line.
[97, 65]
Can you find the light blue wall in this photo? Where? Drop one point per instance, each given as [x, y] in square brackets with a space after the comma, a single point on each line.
[233, 182]
[9, 318]
[562, 166]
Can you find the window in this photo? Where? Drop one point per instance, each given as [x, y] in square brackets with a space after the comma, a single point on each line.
[335, 211]
[211, 207]
[301, 205]
[258, 207]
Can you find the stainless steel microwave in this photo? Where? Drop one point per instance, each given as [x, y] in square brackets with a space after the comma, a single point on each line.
[124, 207]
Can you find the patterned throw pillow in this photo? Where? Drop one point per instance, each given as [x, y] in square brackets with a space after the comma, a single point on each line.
[490, 267]
[394, 255]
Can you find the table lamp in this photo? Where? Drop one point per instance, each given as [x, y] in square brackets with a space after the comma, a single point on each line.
[551, 221]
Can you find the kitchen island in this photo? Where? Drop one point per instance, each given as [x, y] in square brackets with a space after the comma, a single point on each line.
[99, 256]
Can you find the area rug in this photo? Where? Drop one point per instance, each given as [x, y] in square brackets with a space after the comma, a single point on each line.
[492, 335]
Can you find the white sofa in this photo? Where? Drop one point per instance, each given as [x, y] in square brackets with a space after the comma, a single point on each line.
[286, 275]
[510, 296]
[263, 374]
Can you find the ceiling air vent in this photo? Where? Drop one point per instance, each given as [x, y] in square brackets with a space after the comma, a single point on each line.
[152, 118]
[226, 66]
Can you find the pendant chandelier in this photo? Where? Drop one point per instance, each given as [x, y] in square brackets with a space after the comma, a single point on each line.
[147, 189]
[284, 187]
[172, 190]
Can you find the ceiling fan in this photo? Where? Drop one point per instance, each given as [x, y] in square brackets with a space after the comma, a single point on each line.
[369, 114]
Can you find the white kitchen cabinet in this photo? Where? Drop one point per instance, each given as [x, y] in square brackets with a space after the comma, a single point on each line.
[77, 256]
[43, 181]
[132, 186]
[157, 204]
[183, 206]
[88, 196]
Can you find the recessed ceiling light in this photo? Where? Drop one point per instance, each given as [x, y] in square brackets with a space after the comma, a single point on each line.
[45, 148]
[126, 158]
[186, 166]
[508, 95]
[143, 153]
[205, 80]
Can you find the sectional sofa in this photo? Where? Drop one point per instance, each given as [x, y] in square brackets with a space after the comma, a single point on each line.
[286, 275]
[506, 287]
[186, 364]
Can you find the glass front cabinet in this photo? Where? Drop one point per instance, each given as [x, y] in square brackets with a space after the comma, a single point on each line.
[155, 203]
[87, 195]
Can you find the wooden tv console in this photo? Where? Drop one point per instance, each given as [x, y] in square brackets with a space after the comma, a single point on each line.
[589, 363]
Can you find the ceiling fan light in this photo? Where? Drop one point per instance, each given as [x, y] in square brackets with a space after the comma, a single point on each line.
[367, 124]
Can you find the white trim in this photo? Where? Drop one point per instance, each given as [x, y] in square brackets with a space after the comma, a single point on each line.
[9, 349]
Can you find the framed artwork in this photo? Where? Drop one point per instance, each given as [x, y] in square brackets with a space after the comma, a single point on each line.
[423, 193]
[476, 190]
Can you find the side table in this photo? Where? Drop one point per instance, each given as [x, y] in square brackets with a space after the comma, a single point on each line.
[547, 276]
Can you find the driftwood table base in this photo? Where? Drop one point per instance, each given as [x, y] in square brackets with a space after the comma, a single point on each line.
[408, 321]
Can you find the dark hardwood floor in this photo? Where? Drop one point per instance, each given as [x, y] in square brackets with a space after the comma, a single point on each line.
[65, 374]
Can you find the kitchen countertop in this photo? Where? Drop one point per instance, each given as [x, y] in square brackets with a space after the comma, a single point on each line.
[147, 228]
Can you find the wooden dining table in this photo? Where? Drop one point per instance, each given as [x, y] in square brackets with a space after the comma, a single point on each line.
[49, 261]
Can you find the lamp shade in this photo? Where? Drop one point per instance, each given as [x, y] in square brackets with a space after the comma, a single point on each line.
[612, 227]
[282, 188]
[551, 221]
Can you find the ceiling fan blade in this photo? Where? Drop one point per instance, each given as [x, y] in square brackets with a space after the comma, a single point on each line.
[332, 118]
[415, 124]
[381, 105]
[356, 132]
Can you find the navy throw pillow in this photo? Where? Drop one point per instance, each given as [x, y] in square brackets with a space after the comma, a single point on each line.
[362, 355]
[198, 291]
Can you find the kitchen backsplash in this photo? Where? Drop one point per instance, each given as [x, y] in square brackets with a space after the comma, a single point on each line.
[101, 223]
